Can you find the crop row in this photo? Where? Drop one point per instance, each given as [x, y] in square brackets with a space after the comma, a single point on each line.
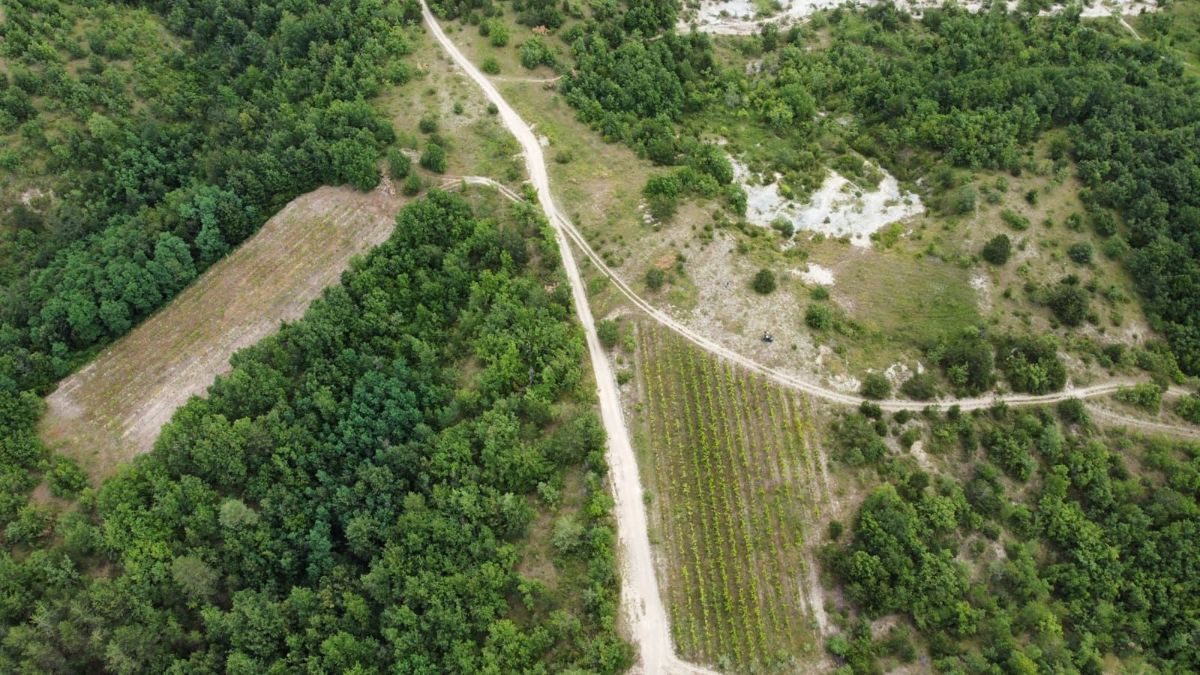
[731, 480]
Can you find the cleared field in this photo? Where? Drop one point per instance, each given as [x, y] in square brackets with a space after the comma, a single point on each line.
[112, 409]
[734, 489]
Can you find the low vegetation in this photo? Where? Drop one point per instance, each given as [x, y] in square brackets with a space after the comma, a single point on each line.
[735, 487]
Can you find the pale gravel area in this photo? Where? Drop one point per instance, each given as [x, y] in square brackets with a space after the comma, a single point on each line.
[839, 208]
[740, 17]
[818, 275]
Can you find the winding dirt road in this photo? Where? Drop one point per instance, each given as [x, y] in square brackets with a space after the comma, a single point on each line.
[646, 614]
[647, 617]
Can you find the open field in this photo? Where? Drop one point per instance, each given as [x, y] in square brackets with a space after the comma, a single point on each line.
[734, 489]
[112, 409]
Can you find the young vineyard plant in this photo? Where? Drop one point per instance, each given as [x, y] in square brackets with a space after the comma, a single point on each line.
[735, 491]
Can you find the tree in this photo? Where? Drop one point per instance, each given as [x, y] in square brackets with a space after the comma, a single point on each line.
[763, 282]
[997, 250]
[968, 363]
[412, 185]
[609, 333]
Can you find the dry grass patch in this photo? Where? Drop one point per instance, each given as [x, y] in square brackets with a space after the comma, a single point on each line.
[113, 408]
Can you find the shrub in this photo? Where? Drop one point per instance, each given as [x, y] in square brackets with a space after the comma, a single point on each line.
[1189, 408]
[764, 282]
[498, 33]
[819, 293]
[534, 53]
[1069, 301]
[1032, 364]
[434, 158]
[655, 278]
[876, 386]
[920, 387]
[428, 124]
[609, 333]
[1014, 220]
[1072, 411]
[997, 250]
[968, 363]
[65, 477]
[491, 66]
[399, 165]
[784, 227]
[1080, 252]
[1147, 396]
[412, 184]
[819, 317]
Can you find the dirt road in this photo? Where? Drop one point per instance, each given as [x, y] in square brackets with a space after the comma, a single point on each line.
[647, 617]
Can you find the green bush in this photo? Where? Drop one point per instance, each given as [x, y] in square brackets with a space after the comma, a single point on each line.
[997, 250]
[434, 158]
[1031, 364]
[399, 165]
[491, 66]
[412, 185]
[1069, 301]
[655, 278]
[65, 478]
[1080, 252]
[1014, 220]
[609, 333]
[534, 53]
[920, 387]
[764, 282]
[876, 386]
[428, 124]
[1147, 396]
[1188, 408]
[818, 317]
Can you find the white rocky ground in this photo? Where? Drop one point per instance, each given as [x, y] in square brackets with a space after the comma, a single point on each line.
[741, 17]
[838, 209]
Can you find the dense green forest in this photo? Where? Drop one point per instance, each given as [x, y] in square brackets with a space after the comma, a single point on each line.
[164, 134]
[355, 495]
[927, 98]
[1053, 548]
[168, 137]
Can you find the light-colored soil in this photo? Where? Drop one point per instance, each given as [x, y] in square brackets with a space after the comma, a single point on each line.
[744, 17]
[839, 208]
[112, 409]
